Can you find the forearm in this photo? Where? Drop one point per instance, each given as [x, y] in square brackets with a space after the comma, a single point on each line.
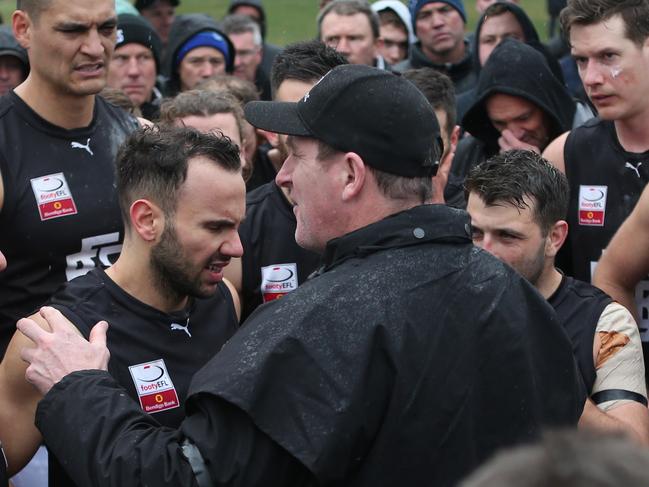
[104, 439]
[634, 423]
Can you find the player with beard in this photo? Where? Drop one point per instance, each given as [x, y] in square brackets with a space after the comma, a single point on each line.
[518, 203]
[182, 199]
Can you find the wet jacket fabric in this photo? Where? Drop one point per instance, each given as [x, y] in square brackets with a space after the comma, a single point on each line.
[183, 28]
[461, 73]
[407, 360]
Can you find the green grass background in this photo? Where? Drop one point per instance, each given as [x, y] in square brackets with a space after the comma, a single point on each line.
[294, 20]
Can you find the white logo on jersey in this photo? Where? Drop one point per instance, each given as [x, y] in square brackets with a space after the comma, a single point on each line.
[154, 387]
[178, 326]
[634, 168]
[93, 249]
[53, 196]
[79, 145]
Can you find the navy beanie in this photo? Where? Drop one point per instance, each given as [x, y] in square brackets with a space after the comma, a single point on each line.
[415, 6]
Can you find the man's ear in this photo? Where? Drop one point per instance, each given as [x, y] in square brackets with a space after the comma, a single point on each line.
[147, 220]
[353, 174]
[556, 237]
[21, 24]
[271, 137]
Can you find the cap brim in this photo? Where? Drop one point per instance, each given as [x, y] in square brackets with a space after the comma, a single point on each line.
[275, 116]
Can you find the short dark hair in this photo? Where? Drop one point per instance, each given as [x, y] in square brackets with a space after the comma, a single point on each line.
[438, 90]
[201, 103]
[387, 16]
[567, 459]
[512, 176]
[392, 186]
[635, 15]
[496, 9]
[350, 7]
[306, 61]
[33, 7]
[152, 163]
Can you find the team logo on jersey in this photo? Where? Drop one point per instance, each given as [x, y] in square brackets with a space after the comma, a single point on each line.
[53, 196]
[154, 387]
[278, 280]
[592, 205]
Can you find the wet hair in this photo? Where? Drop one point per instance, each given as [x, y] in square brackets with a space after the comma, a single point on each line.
[513, 176]
[567, 459]
[634, 13]
[438, 90]
[242, 89]
[201, 103]
[306, 61]
[241, 24]
[33, 7]
[392, 186]
[347, 8]
[152, 163]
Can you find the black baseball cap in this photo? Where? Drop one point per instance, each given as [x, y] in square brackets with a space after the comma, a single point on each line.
[141, 4]
[380, 116]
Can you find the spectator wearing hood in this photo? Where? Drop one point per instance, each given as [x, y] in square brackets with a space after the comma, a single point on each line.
[255, 10]
[161, 14]
[197, 50]
[14, 65]
[520, 104]
[481, 5]
[439, 27]
[499, 21]
[395, 28]
[135, 64]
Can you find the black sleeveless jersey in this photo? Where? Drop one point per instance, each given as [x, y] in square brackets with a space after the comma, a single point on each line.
[579, 306]
[60, 216]
[272, 263]
[605, 184]
[153, 355]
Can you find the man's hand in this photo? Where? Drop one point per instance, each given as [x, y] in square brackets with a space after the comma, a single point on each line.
[62, 351]
[508, 141]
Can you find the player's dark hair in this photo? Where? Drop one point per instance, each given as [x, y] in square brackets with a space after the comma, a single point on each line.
[33, 7]
[306, 61]
[513, 176]
[152, 163]
[388, 16]
[635, 15]
[438, 90]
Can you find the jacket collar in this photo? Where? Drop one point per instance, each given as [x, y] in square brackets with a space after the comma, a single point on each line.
[416, 226]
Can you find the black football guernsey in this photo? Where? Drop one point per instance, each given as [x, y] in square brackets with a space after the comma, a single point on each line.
[579, 306]
[273, 264]
[60, 216]
[153, 355]
[605, 184]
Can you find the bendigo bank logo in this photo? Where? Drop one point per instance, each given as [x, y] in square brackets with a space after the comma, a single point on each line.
[53, 196]
[277, 280]
[154, 387]
[592, 205]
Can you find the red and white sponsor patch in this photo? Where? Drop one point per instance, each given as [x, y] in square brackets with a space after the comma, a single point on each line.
[592, 205]
[154, 387]
[53, 196]
[278, 280]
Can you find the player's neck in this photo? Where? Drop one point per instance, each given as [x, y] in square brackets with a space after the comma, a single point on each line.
[549, 282]
[65, 111]
[133, 273]
[633, 133]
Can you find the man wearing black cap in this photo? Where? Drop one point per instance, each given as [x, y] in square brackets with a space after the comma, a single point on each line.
[161, 14]
[407, 360]
[135, 64]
